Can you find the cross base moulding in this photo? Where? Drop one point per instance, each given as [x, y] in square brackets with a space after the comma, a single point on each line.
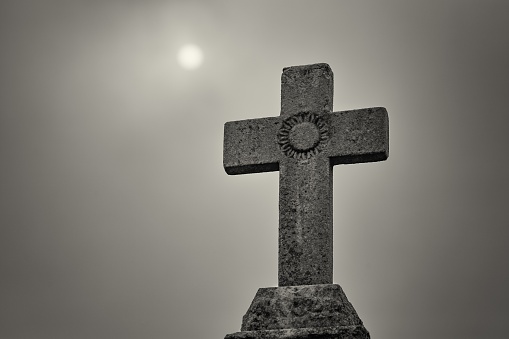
[301, 312]
[342, 332]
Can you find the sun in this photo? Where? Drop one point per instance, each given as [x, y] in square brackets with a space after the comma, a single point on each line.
[190, 56]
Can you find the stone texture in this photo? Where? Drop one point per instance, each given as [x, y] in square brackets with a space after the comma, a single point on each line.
[303, 143]
[308, 88]
[315, 311]
[357, 136]
[299, 307]
[250, 146]
[344, 332]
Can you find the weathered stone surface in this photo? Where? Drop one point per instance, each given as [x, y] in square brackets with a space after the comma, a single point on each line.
[250, 146]
[315, 311]
[303, 143]
[307, 88]
[299, 307]
[344, 332]
[357, 136]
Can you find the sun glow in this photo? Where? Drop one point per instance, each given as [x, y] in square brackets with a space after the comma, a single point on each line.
[190, 56]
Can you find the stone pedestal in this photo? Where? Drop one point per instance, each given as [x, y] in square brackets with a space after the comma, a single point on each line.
[301, 312]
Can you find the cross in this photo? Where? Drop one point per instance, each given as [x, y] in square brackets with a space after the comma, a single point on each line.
[303, 143]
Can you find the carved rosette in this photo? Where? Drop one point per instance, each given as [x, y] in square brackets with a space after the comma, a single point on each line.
[303, 135]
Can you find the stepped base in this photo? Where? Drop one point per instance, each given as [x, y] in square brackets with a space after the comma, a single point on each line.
[301, 312]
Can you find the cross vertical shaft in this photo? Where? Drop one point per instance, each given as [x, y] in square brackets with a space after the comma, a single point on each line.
[305, 179]
[305, 222]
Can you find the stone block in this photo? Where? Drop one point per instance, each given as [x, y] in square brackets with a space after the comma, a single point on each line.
[309, 311]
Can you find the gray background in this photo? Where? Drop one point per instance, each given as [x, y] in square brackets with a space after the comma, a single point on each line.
[118, 221]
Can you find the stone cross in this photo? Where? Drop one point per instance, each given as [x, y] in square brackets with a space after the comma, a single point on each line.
[303, 143]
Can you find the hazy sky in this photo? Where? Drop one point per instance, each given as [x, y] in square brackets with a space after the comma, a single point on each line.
[118, 220]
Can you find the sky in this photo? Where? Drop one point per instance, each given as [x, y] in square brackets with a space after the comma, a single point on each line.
[117, 219]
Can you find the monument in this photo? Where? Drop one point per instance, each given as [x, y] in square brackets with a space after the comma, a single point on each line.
[303, 144]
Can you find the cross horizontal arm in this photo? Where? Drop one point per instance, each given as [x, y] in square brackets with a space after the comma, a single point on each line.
[360, 135]
[250, 146]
